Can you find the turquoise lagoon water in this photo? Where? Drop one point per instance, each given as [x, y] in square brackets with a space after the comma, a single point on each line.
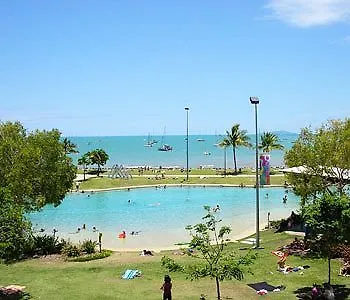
[130, 150]
[160, 214]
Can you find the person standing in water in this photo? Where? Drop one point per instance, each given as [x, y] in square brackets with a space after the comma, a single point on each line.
[285, 199]
[217, 208]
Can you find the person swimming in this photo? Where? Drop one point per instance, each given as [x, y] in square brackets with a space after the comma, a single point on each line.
[122, 235]
[285, 198]
[216, 208]
[135, 232]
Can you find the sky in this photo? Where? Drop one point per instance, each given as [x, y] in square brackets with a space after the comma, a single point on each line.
[120, 67]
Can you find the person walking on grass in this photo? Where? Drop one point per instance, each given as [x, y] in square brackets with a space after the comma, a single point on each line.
[166, 287]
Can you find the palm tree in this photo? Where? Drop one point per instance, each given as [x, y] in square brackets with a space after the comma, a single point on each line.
[269, 142]
[98, 157]
[237, 137]
[84, 161]
[69, 146]
[224, 144]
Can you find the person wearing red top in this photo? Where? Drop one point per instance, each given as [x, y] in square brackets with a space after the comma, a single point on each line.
[166, 287]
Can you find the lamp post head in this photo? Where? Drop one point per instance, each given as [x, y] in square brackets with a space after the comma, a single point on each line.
[187, 108]
[254, 100]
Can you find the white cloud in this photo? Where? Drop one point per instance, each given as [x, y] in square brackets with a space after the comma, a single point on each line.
[307, 13]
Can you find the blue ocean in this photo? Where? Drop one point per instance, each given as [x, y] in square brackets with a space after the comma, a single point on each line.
[203, 150]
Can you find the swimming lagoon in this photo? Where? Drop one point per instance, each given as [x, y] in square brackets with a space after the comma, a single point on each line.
[160, 214]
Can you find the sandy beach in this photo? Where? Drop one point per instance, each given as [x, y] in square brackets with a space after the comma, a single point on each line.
[173, 239]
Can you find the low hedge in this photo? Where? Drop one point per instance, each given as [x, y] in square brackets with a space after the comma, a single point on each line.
[93, 256]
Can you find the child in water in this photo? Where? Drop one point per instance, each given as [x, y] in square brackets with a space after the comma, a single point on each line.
[166, 287]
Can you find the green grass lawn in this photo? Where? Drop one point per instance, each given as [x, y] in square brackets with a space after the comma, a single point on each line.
[199, 172]
[48, 278]
[105, 183]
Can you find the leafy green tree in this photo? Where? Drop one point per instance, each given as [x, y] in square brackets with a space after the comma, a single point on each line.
[324, 155]
[15, 230]
[224, 144]
[237, 137]
[98, 157]
[208, 243]
[269, 142]
[34, 167]
[84, 161]
[328, 219]
[69, 146]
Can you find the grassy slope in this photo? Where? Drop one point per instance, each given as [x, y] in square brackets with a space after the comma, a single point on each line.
[101, 279]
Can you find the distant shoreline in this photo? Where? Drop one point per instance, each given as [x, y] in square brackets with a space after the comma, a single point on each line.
[131, 152]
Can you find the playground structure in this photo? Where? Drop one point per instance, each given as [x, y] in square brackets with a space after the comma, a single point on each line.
[118, 171]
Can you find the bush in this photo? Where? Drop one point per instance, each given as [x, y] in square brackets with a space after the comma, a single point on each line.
[276, 224]
[15, 230]
[71, 250]
[93, 256]
[89, 246]
[171, 265]
[47, 244]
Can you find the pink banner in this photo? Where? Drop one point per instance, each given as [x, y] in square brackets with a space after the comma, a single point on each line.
[265, 169]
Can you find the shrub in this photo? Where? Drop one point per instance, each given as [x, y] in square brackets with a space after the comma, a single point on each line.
[15, 230]
[276, 224]
[47, 244]
[71, 250]
[171, 265]
[89, 246]
[93, 256]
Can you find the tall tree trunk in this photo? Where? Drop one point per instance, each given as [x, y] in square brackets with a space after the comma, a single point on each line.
[225, 162]
[218, 287]
[329, 269]
[98, 170]
[234, 158]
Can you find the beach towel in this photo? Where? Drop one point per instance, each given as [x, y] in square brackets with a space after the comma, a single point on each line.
[130, 274]
[262, 286]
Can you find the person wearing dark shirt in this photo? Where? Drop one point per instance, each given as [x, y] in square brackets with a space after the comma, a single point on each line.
[166, 287]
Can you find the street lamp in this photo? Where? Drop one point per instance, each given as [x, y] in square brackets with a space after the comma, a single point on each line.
[255, 101]
[187, 109]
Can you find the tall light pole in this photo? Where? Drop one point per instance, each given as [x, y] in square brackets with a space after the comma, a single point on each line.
[187, 109]
[255, 101]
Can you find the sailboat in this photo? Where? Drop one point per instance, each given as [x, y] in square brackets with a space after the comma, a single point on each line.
[218, 139]
[150, 141]
[164, 147]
